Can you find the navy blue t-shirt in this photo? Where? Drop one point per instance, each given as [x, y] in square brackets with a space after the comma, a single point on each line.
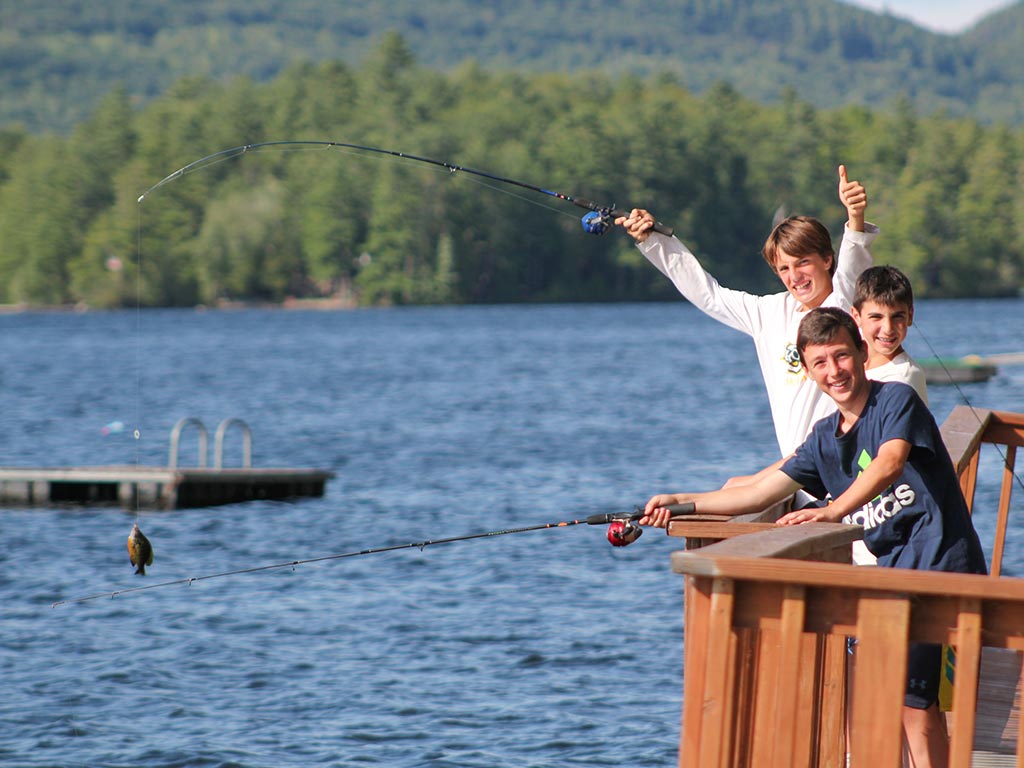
[921, 520]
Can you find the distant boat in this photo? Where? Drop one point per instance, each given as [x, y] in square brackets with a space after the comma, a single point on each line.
[966, 370]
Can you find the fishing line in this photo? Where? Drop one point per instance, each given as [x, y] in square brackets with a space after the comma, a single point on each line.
[599, 519]
[137, 426]
[967, 402]
[597, 221]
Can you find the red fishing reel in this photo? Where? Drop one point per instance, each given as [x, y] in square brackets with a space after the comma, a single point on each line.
[622, 533]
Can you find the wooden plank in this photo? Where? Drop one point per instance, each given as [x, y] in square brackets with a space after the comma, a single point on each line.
[714, 529]
[758, 606]
[755, 520]
[969, 481]
[696, 652]
[997, 716]
[1020, 731]
[716, 728]
[831, 718]
[962, 433]
[876, 730]
[1003, 514]
[729, 746]
[797, 542]
[750, 680]
[965, 686]
[809, 698]
[831, 612]
[787, 713]
[1006, 429]
[769, 650]
[829, 575]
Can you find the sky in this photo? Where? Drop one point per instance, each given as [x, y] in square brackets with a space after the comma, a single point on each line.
[949, 16]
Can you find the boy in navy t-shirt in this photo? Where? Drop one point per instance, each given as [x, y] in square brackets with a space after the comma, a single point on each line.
[882, 460]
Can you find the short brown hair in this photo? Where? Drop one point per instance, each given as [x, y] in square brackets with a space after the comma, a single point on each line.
[822, 325]
[885, 285]
[799, 236]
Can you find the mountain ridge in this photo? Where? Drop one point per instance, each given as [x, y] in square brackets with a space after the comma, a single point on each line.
[58, 58]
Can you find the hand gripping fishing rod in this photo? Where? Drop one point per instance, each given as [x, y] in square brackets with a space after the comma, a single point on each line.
[622, 531]
[597, 222]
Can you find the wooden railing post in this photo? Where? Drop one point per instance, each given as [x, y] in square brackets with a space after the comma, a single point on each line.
[695, 659]
[1003, 519]
[965, 689]
[880, 673]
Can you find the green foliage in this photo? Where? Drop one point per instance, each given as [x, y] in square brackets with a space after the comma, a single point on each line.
[319, 221]
[59, 57]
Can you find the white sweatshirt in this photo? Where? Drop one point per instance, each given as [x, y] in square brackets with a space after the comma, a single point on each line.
[772, 321]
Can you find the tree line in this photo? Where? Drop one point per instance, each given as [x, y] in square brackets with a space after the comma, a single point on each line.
[58, 57]
[304, 221]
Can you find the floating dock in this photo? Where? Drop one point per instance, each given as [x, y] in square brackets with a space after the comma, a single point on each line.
[958, 370]
[154, 487]
[968, 369]
[169, 487]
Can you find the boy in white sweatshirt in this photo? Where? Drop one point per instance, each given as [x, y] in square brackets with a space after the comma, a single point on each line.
[799, 251]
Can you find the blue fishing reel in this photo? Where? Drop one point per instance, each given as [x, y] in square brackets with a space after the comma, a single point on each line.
[597, 222]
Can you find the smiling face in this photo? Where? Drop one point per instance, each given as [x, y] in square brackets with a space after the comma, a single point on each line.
[807, 278]
[837, 367]
[884, 327]
[799, 250]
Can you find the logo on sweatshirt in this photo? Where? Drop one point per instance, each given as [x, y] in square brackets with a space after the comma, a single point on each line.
[885, 505]
[792, 358]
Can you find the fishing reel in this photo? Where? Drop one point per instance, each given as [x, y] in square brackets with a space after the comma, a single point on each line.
[597, 222]
[622, 533]
[623, 530]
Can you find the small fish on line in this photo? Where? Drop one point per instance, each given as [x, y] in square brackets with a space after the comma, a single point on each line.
[140, 551]
[623, 530]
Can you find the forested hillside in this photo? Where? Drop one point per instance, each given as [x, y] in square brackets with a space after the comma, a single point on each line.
[58, 58]
[309, 221]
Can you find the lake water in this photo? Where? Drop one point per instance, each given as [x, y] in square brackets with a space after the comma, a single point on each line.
[545, 648]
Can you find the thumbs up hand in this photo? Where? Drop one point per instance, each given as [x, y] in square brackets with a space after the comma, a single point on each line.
[854, 198]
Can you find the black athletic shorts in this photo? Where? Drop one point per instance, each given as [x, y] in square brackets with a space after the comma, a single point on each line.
[924, 667]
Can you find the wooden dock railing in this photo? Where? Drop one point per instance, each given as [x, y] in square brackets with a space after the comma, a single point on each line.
[768, 680]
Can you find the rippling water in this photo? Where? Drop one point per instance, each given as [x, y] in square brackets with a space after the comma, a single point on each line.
[536, 649]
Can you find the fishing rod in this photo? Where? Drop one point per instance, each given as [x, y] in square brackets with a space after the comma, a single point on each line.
[597, 222]
[622, 531]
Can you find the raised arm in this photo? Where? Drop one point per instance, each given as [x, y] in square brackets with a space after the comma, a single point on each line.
[855, 251]
[736, 309]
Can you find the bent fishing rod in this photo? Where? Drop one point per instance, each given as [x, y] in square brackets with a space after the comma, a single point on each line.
[622, 531]
[597, 222]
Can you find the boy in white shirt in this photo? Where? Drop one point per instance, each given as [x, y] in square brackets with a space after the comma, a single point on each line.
[883, 306]
[799, 251]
